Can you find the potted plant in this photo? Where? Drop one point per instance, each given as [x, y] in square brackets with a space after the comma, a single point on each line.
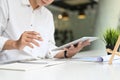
[110, 37]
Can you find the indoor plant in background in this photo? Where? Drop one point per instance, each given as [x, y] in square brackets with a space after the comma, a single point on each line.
[110, 37]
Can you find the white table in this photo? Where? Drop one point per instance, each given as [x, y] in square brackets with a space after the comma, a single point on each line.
[70, 70]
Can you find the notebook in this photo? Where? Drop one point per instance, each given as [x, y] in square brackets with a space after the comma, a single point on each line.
[29, 65]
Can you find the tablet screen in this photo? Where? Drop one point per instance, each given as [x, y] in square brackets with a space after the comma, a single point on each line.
[75, 42]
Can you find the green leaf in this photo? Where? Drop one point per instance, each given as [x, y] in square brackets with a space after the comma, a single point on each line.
[110, 36]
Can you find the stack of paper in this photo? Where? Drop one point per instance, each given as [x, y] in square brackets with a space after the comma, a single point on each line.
[29, 65]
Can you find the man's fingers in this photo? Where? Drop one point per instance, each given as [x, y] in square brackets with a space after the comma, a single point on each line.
[37, 37]
[35, 43]
[32, 32]
[32, 41]
[85, 43]
[32, 35]
[79, 44]
[28, 40]
[71, 47]
[30, 45]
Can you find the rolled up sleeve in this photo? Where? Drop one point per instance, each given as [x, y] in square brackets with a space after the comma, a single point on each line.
[2, 42]
[3, 21]
[52, 53]
[52, 45]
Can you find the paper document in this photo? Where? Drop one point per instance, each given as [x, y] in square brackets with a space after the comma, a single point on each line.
[96, 59]
[75, 42]
[89, 59]
[45, 63]
[29, 65]
[107, 58]
[20, 67]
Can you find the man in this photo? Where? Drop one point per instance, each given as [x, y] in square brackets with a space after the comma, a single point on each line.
[27, 31]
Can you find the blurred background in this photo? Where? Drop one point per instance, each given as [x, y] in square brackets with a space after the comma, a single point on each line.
[78, 18]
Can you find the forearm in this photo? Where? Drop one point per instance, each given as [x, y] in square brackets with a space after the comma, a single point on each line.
[59, 55]
[10, 44]
[63, 54]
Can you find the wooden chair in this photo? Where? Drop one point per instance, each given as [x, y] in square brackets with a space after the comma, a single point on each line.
[114, 51]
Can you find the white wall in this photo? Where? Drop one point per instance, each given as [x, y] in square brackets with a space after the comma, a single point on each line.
[108, 15]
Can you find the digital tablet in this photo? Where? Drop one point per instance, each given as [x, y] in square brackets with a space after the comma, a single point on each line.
[75, 42]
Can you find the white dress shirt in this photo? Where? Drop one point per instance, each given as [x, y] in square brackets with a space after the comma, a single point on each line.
[17, 16]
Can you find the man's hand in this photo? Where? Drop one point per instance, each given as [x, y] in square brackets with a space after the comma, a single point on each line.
[72, 50]
[27, 38]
